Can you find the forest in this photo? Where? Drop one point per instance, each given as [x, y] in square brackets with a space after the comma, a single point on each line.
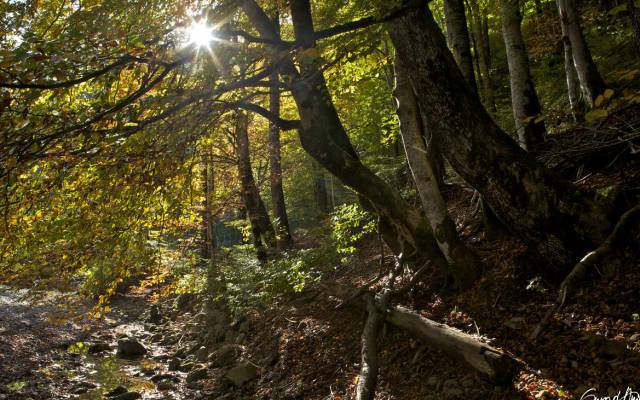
[319, 199]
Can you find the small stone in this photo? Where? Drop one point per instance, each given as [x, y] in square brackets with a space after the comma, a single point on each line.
[197, 374]
[155, 314]
[117, 391]
[165, 385]
[163, 377]
[241, 374]
[156, 337]
[543, 394]
[98, 347]
[130, 347]
[128, 396]
[634, 338]
[201, 354]
[174, 364]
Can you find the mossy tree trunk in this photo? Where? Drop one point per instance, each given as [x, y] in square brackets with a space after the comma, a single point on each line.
[535, 204]
[323, 136]
[264, 237]
[465, 265]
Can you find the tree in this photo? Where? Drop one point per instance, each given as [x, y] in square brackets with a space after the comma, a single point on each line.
[468, 266]
[483, 49]
[527, 198]
[591, 83]
[277, 193]
[264, 238]
[524, 99]
[324, 138]
[456, 21]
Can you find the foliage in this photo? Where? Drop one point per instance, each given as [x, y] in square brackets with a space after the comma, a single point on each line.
[350, 223]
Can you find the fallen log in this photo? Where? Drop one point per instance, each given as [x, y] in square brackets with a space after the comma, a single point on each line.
[492, 362]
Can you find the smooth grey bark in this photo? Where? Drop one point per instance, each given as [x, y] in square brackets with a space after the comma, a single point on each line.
[524, 99]
[264, 238]
[456, 21]
[591, 83]
[570, 72]
[323, 136]
[466, 267]
[549, 213]
[283, 231]
[368, 376]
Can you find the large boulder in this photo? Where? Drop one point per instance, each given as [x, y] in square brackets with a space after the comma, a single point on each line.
[130, 347]
[241, 374]
[225, 355]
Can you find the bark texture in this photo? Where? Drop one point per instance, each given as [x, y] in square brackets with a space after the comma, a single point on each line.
[536, 204]
[466, 267]
[264, 237]
[456, 21]
[634, 19]
[283, 230]
[368, 377]
[491, 362]
[483, 49]
[570, 72]
[324, 138]
[524, 99]
[591, 82]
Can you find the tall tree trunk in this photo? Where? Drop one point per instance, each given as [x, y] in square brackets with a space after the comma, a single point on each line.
[320, 194]
[524, 99]
[283, 230]
[465, 265]
[591, 82]
[570, 72]
[208, 232]
[264, 238]
[634, 19]
[546, 211]
[325, 139]
[456, 21]
[484, 54]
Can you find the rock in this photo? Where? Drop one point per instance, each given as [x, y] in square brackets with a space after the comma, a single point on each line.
[98, 347]
[117, 391]
[165, 385]
[197, 374]
[163, 377]
[215, 334]
[224, 356]
[186, 367]
[201, 354]
[156, 337]
[130, 347]
[155, 314]
[634, 338]
[612, 349]
[241, 374]
[128, 396]
[185, 301]
[174, 364]
[83, 387]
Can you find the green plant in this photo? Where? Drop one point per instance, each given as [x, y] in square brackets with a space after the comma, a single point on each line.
[350, 223]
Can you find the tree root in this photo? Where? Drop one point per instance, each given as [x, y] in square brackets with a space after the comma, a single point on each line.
[612, 243]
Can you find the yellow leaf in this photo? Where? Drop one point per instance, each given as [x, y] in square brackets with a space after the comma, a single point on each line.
[608, 93]
[599, 101]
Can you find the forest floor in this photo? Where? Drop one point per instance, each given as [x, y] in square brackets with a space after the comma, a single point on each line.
[306, 347]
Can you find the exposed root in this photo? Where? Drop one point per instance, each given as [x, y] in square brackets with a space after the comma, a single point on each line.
[613, 242]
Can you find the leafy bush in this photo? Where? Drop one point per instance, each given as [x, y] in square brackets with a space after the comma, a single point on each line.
[350, 223]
